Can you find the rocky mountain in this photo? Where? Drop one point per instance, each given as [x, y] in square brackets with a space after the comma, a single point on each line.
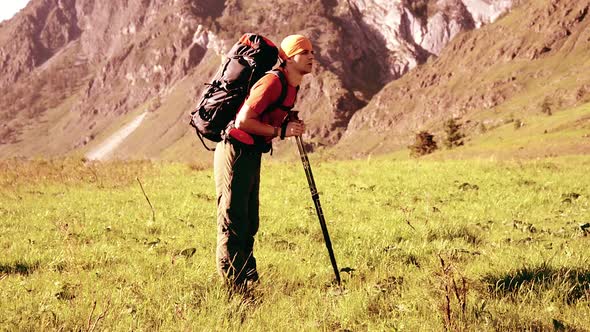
[72, 72]
[485, 78]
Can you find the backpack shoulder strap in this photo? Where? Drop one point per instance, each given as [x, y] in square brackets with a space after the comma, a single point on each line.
[283, 95]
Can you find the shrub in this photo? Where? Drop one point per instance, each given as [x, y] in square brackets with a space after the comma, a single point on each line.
[547, 106]
[154, 104]
[454, 135]
[482, 128]
[424, 144]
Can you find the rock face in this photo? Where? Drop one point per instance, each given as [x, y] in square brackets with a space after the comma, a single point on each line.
[35, 36]
[484, 12]
[411, 31]
[96, 61]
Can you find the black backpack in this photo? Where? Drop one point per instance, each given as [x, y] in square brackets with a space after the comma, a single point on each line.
[248, 60]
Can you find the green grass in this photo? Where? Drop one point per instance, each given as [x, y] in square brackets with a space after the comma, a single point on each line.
[501, 240]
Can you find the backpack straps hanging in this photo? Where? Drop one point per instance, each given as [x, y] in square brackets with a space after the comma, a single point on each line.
[204, 144]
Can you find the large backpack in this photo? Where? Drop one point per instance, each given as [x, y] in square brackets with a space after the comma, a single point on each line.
[248, 60]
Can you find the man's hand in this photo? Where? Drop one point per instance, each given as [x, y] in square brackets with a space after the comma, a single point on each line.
[295, 128]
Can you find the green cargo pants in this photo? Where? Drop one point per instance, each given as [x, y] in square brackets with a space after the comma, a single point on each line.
[237, 182]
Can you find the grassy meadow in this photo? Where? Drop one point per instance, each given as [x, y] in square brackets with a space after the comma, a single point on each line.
[424, 245]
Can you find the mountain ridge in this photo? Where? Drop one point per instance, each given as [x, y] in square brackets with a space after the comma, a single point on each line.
[112, 64]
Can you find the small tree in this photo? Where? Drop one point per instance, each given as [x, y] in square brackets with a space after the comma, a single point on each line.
[546, 106]
[454, 135]
[482, 128]
[424, 144]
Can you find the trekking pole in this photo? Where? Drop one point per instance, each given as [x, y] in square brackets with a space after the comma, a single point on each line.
[318, 208]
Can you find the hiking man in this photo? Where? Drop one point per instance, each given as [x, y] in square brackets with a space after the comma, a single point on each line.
[238, 156]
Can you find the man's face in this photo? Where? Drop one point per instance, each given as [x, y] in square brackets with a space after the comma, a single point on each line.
[303, 62]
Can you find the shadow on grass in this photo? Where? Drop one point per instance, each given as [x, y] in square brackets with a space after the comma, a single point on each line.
[569, 284]
[18, 267]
